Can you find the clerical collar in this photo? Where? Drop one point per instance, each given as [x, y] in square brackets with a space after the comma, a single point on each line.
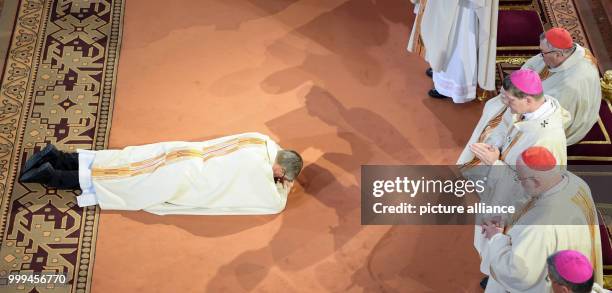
[557, 188]
[571, 60]
[544, 110]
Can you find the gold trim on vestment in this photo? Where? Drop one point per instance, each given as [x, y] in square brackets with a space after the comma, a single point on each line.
[493, 123]
[152, 164]
[418, 47]
[545, 73]
[581, 199]
[589, 56]
[514, 141]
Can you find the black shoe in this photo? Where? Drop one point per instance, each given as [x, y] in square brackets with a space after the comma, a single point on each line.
[66, 161]
[41, 174]
[51, 177]
[429, 72]
[435, 94]
[483, 282]
[49, 153]
[59, 160]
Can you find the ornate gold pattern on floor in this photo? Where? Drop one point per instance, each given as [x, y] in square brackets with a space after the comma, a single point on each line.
[57, 87]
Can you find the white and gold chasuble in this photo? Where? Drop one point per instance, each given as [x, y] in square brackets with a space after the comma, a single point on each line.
[226, 176]
[575, 84]
[562, 218]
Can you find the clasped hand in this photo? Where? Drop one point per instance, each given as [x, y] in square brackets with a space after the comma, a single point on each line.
[492, 227]
[487, 153]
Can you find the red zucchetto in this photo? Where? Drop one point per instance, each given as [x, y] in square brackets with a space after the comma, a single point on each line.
[560, 38]
[538, 158]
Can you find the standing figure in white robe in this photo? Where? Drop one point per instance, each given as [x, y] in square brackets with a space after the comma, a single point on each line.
[560, 215]
[570, 271]
[521, 118]
[525, 118]
[460, 40]
[569, 73]
[234, 175]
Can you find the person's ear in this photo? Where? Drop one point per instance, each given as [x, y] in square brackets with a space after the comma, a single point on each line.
[535, 183]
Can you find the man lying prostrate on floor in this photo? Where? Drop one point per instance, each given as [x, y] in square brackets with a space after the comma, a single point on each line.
[234, 175]
[569, 271]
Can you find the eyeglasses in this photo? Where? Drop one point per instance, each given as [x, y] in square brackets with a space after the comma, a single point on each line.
[521, 179]
[544, 53]
[518, 178]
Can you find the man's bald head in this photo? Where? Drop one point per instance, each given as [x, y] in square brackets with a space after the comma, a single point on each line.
[538, 170]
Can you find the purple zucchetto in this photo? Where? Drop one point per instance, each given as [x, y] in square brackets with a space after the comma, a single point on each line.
[573, 266]
[528, 81]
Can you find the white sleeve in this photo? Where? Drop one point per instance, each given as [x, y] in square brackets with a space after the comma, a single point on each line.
[519, 264]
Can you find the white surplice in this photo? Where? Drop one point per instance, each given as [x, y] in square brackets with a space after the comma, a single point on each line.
[226, 176]
[460, 39]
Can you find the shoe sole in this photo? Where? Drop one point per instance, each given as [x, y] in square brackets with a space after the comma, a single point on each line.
[36, 158]
[437, 96]
[33, 176]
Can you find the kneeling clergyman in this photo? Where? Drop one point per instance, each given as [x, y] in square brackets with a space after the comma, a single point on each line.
[234, 175]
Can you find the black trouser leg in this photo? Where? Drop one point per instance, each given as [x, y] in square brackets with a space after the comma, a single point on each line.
[64, 179]
[67, 161]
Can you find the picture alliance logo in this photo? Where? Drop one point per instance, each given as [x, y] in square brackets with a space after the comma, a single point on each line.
[408, 208]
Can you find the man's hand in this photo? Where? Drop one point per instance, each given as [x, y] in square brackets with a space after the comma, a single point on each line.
[487, 154]
[490, 229]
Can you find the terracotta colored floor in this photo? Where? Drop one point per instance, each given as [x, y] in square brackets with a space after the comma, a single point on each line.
[329, 78]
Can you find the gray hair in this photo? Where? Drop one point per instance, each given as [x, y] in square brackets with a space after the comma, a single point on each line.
[291, 162]
[554, 276]
[564, 52]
